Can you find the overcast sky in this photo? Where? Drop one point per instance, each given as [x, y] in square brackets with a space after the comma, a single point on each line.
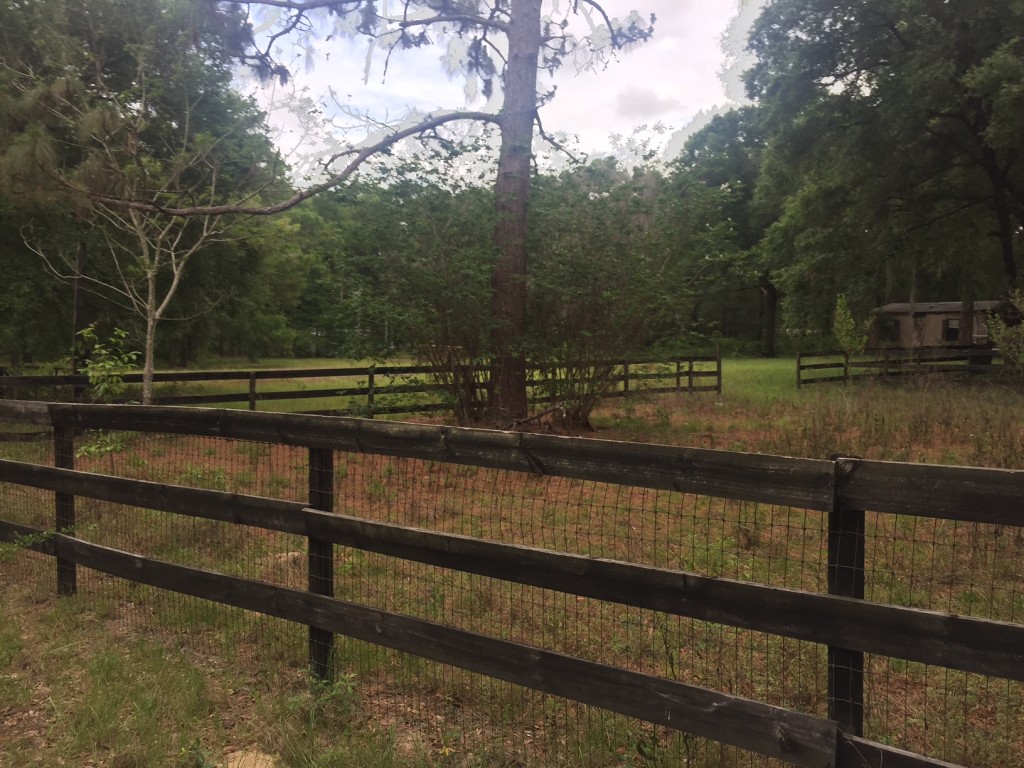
[678, 79]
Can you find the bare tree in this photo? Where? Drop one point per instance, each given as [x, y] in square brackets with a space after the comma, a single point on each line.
[120, 116]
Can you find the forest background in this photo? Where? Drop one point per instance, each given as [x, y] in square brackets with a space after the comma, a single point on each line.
[878, 159]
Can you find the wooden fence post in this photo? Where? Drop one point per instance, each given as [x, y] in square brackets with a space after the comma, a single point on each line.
[369, 392]
[679, 375]
[799, 369]
[64, 458]
[321, 560]
[718, 369]
[846, 579]
[625, 379]
[252, 390]
[846, 367]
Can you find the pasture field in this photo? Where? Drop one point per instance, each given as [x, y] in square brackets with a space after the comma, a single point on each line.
[127, 676]
[977, 422]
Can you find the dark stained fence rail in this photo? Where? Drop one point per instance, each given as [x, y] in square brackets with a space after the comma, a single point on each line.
[831, 367]
[380, 389]
[796, 738]
[842, 620]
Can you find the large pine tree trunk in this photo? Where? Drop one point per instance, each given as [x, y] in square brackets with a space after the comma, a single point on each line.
[512, 196]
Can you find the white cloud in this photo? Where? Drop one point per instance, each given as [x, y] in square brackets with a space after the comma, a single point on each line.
[674, 78]
[644, 104]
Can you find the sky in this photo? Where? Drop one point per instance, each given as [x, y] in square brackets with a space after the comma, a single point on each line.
[677, 80]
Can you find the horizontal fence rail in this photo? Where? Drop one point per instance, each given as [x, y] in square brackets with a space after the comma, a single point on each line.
[841, 489]
[831, 367]
[386, 389]
[955, 642]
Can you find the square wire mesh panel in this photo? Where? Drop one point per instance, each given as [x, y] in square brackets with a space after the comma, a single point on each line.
[20, 504]
[967, 569]
[437, 712]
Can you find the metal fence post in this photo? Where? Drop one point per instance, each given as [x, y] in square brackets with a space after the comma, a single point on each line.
[321, 560]
[846, 579]
[64, 458]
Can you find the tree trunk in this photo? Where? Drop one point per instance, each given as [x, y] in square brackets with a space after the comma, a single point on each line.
[512, 195]
[148, 355]
[965, 335]
[78, 303]
[78, 317]
[1004, 216]
[1005, 235]
[769, 314]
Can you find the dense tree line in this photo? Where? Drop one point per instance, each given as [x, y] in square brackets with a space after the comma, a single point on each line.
[893, 167]
[879, 159]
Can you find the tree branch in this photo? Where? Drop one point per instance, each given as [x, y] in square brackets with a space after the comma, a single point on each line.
[301, 6]
[476, 21]
[360, 156]
[559, 146]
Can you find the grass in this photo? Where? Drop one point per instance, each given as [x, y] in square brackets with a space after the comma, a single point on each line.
[934, 420]
[95, 669]
[355, 405]
[87, 693]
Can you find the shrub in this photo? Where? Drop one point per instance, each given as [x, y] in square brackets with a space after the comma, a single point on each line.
[851, 335]
[1007, 333]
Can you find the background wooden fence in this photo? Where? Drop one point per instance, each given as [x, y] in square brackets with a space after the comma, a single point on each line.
[840, 490]
[825, 367]
[370, 390]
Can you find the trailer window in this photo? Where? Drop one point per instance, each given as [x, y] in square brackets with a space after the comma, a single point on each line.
[888, 329]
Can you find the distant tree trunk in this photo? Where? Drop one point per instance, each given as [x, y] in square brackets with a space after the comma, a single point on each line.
[1004, 216]
[965, 336]
[769, 314]
[1005, 234]
[78, 315]
[148, 354]
[77, 302]
[512, 194]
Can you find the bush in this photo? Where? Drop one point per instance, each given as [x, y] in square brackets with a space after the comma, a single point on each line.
[851, 336]
[1007, 333]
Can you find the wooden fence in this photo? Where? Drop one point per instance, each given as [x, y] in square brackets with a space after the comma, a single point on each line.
[372, 390]
[841, 489]
[825, 367]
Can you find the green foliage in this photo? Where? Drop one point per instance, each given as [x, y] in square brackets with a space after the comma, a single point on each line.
[26, 333]
[409, 267]
[102, 443]
[95, 120]
[202, 476]
[21, 542]
[612, 275]
[892, 145]
[851, 335]
[716, 178]
[1009, 336]
[105, 363]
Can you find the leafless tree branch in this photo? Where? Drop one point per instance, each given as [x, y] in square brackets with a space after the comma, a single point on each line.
[359, 157]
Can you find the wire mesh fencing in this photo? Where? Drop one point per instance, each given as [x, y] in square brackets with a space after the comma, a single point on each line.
[445, 715]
